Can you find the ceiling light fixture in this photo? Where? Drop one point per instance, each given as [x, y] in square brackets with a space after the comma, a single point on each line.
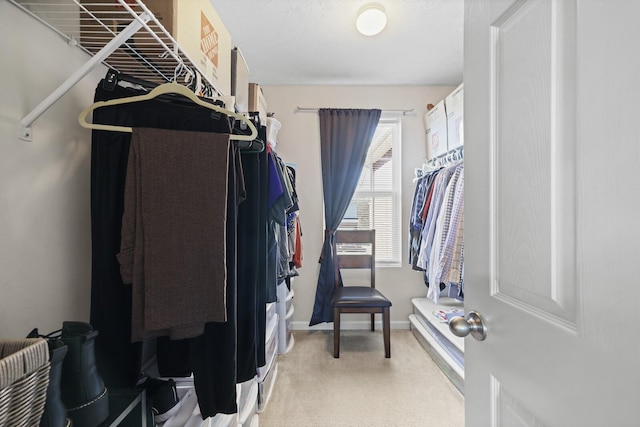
[371, 19]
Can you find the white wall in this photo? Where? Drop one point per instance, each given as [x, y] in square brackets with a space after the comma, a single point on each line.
[45, 246]
[299, 143]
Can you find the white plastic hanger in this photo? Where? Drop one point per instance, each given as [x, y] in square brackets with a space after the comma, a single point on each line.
[174, 88]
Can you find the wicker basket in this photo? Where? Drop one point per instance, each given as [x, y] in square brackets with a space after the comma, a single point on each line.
[24, 377]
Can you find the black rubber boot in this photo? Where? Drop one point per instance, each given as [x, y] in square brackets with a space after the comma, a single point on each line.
[55, 413]
[83, 390]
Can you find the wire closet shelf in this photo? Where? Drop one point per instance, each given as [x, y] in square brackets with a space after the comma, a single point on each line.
[124, 35]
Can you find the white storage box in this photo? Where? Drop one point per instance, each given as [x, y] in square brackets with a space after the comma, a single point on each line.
[240, 80]
[271, 347]
[271, 312]
[253, 421]
[435, 122]
[454, 104]
[221, 420]
[247, 400]
[285, 316]
[289, 300]
[289, 328]
[265, 387]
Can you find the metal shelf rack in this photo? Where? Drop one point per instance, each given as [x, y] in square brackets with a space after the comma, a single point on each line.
[124, 35]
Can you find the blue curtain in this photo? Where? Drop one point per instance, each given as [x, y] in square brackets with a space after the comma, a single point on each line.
[345, 136]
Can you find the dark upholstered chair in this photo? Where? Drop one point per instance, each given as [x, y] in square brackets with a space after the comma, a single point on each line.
[350, 245]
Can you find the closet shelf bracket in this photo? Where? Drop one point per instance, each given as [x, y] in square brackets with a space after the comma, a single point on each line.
[26, 133]
[123, 35]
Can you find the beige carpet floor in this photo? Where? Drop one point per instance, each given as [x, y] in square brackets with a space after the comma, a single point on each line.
[361, 388]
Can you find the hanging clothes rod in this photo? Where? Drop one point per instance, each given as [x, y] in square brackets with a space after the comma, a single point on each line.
[450, 156]
[315, 110]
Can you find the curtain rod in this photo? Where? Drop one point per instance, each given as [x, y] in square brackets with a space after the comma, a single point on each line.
[315, 110]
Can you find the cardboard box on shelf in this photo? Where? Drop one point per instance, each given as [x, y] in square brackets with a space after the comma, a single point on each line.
[194, 25]
[435, 122]
[454, 104]
[257, 101]
[199, 31]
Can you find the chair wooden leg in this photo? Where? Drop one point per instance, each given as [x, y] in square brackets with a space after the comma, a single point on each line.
[386, 331]
[336, 333]
[373, 322]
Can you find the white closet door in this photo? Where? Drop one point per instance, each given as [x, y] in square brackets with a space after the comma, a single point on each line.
[552, 221]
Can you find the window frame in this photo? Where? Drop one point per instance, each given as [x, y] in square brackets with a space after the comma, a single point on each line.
[395, 194]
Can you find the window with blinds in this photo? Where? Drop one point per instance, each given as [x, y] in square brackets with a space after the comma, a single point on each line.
[376, 202]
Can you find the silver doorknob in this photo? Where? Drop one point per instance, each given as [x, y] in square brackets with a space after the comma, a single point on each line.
[473, 325]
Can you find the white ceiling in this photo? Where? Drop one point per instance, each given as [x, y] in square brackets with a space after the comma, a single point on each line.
[315, 42]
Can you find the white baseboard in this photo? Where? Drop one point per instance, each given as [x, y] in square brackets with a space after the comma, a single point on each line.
[348, 325]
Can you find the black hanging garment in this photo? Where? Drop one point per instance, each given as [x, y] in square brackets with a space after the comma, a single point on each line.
[252, 268]
[213, 354]
[118, 360]
[248, 237]
[262, 252]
